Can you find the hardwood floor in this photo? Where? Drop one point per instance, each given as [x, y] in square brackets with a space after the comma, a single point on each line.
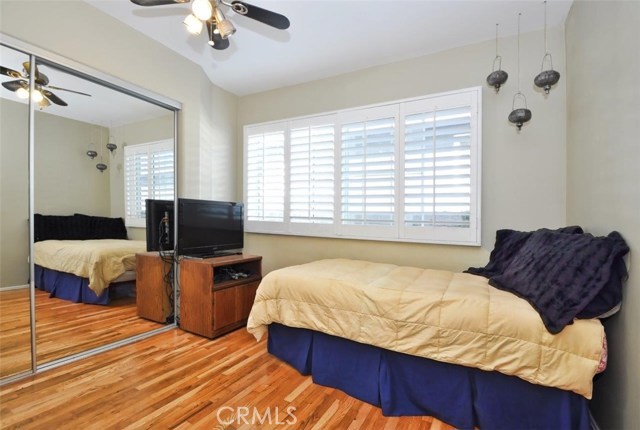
[176, 380]
[15, 332]
[62, 327]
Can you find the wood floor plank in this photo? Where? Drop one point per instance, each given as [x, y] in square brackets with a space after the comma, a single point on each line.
[157, 383]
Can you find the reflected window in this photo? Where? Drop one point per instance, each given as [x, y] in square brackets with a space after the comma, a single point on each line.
[148, 175]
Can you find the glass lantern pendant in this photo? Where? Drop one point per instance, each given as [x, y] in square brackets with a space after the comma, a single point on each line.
[546, 78]
[497, 78]
[519, 116]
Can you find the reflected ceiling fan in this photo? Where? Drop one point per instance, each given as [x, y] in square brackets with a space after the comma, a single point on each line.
[41, 94]
[209, 13]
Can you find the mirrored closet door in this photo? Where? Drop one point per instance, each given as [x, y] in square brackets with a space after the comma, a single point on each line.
[100, 149]
[15, 316]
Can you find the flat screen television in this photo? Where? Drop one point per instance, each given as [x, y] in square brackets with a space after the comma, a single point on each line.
[160, 224]
[207, 228]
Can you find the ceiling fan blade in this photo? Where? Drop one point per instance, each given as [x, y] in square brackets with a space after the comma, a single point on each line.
[65, 89]
[218, 42]
[54, 98]
[14, 85]
[10, 72]
[263, 15]
[158, 2]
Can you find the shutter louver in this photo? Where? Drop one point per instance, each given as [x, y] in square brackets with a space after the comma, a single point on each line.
[311, 174]
[437, 168]
[368, 172]
[265, 177]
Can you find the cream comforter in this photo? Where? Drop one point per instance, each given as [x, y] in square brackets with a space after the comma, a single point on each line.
[451, 317]
[102, 261]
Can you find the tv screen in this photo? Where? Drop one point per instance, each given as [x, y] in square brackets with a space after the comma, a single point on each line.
[207, 228]
[160, 224]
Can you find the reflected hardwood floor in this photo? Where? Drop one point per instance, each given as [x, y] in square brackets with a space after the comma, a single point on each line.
[176, 380]
[62, 328]
[15, 332]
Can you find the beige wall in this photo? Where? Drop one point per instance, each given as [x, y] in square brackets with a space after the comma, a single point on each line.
[66, 180]
[523, 180]
[603, 175]
[14, 201]
[80, 32]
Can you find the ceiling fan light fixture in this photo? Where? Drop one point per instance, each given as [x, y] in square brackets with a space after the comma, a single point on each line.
[37, 96]
[202, 9]
[44, 103]
[223, 25]
[193, 24]
[22, 93]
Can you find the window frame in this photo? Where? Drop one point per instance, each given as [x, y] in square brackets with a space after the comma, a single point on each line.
[470, 236]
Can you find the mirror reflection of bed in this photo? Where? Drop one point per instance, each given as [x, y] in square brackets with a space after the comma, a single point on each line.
[94, 218]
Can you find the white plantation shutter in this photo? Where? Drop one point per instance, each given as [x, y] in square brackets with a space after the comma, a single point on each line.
[368, 159]
[148, 174]
[311, 173]
[440, 169]
[405, 171]
[265, 178]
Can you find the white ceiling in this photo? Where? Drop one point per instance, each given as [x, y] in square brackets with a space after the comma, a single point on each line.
[331, 37]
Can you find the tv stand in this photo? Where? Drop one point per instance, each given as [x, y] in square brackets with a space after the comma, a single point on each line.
[216, 294]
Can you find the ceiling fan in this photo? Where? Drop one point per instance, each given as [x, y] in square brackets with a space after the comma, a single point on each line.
[209, 13]
[41, 94]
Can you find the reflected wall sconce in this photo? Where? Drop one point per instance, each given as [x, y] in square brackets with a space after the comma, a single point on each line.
[91, 152]
[101, 166]
[546, 78]
[111, 146]
[498, 77]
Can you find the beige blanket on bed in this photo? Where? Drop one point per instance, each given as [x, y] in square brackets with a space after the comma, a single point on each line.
[451, 317]
[102, 261]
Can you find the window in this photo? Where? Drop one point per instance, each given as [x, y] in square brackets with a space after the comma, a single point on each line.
[148, 174]
[404, 171]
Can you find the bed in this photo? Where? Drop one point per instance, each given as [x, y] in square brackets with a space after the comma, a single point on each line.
[83, 258]
[458, 346]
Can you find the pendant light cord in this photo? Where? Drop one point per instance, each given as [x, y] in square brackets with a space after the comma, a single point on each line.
[519, 13]
[496, 39]
[545, 27]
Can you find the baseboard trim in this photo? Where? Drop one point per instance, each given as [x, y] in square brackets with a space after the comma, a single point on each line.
[14, 287]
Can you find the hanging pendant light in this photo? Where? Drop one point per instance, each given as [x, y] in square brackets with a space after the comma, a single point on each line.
[546, 78]
[91, 152]
[101, 166]
[519, 116]
[110, 145]
[498, 77]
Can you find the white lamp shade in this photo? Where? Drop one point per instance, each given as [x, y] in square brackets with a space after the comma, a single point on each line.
[37, 96]
[202, 9]
[193, 24]
[22, 93]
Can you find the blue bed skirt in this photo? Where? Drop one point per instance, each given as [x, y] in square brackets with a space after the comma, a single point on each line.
[405, 385]
[68, 286]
